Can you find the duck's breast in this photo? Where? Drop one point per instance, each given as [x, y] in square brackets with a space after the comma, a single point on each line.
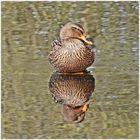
[72, 57]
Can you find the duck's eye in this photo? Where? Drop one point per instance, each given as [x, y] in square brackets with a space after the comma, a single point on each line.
[77, 29]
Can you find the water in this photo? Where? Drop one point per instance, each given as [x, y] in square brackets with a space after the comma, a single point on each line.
[28, 29]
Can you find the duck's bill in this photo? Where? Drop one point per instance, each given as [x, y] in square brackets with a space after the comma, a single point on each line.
[84, 108]
[85, 40]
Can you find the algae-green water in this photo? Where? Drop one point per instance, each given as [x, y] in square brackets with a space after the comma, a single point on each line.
[28, 29]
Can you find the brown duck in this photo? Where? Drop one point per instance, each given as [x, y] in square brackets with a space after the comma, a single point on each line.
[72, 52]
[73, 92]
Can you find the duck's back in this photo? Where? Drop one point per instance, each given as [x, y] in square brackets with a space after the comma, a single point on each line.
[71, 56]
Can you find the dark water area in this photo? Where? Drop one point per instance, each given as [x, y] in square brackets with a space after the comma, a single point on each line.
[32, 94]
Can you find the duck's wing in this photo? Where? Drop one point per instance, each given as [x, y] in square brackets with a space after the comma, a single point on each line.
[56, 44]
[91, 47]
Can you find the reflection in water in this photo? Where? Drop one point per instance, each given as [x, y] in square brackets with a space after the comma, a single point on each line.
[73, 92]
[28, 29]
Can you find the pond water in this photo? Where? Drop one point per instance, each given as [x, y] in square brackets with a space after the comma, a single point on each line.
[28, 109]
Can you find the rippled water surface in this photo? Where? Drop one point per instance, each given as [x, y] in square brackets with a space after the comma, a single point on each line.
[28, 109]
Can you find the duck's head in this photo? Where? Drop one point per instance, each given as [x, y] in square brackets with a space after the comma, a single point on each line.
[73, 30]
[74, 115]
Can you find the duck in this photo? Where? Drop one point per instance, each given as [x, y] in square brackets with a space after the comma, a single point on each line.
[73, 92]
[72, 52]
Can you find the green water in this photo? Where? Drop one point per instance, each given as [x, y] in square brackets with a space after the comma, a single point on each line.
[28, 29]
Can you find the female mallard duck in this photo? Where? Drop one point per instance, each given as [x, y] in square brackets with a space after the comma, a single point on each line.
[72, 52]
[73, 92]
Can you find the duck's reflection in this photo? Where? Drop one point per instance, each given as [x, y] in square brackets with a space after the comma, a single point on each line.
[73, 92]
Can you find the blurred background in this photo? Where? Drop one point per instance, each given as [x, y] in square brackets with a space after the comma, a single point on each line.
[28, 29]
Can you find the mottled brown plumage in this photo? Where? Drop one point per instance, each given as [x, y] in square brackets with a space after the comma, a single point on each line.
[72, 52]
[73, 92]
